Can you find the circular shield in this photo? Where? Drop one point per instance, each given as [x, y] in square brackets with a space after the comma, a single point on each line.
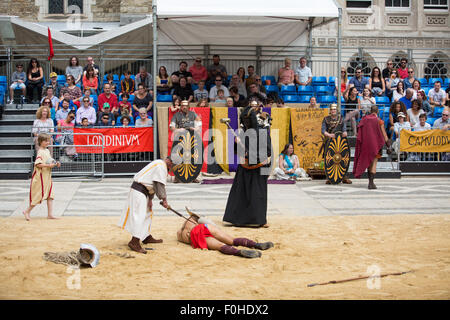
[337, 158]
[186, 155]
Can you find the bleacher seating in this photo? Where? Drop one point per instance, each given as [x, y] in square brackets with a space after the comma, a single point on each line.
[431, 121]
[321, 90]
[446, 82]
[273, 80]
[61, 79]
[331, 80]
[303, 99]
[326, 99]
[290, 98]
[385, 101]
[305, 90]
[164, 98]
[423, 82]
[272, 88]
[319, 81]
[288, 90]
[437, 112]
[431, 81]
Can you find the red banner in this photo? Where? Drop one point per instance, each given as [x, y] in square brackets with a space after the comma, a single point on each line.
[116, 140]
[50, 45]
[204, 115]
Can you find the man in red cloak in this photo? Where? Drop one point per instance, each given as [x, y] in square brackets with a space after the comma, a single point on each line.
[369, 143]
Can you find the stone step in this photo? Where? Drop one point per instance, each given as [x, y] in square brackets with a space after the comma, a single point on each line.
[15, 153]
[16, 122]
[19, 116]
[12, 167]
[21, 107]
[15, 141]
[16, 129]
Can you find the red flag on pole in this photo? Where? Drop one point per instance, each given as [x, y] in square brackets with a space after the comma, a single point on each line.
[50, 45]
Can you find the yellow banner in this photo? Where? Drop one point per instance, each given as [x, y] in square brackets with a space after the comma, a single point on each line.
[425, 141]
[307, 134]
[279, 131]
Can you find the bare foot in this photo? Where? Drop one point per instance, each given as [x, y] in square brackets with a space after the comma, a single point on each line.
[150, 239]
[265, 226]
[51, 217]
[27, 215]
[136, 247]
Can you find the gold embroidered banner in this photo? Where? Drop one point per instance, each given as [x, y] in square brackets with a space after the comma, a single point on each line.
[307, 134]
[425, 141]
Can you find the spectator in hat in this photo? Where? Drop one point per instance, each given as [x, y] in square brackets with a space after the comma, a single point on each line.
[54, 84]
[101, 116]
[18, 82]
[401, 124]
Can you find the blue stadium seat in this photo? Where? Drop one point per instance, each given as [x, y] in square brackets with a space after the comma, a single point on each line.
[131, 76]
[326, 99]
[61, 79]
[431, 81]
[446, 82]
[385, 101]
[273, 80]
[3, 80]
[194, 87]
[288, 90]
[305, 90]
[271, 88]
[331, 80]
[437, 113]
[303, 99]
[164, 98]
[290, 98]
[321, 90]
[431, 121]
[423, 81]
[319, 81]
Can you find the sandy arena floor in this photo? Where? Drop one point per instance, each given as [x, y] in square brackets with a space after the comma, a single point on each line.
[307, 250]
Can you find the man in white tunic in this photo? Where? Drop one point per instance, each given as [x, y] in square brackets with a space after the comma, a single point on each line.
[137, 218]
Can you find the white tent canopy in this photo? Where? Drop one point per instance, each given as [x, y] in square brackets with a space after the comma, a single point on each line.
[237, 22]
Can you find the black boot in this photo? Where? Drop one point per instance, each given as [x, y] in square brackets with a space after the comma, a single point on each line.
[371, 178]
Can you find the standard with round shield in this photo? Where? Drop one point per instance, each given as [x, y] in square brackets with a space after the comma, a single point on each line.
[337, 158]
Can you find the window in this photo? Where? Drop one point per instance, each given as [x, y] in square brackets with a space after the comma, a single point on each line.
[435, 67]
[358, 61]
[65, 6]
[358, 4]
[435, 4]
[397, 3]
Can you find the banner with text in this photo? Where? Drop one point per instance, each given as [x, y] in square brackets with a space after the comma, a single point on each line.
[425, 141]
[116, 140]
[307, 134]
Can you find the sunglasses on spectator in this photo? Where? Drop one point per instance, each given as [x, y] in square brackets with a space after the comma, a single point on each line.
[218, 79]
[410, 71]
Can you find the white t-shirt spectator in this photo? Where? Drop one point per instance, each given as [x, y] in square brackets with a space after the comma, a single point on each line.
[213, 92]
[398, 127]
[414, 119]
[397, 96]
[418, 127]
[436, 96]
[303, 74]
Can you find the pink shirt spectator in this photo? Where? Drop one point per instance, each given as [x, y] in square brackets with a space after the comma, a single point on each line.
[286, 76]
[198, 73]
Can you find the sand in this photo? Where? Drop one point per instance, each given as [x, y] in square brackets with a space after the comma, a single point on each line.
[307, 250]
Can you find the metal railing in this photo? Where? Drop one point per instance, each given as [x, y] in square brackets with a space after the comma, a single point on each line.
[77, 161]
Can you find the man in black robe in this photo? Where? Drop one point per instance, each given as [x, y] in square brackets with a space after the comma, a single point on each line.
[247, 201]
